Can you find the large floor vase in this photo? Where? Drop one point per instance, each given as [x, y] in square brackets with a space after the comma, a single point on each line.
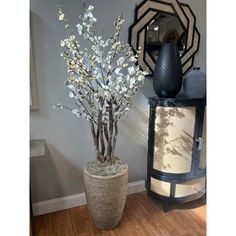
[106, 197]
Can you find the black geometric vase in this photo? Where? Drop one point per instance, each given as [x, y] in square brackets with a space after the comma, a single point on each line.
[167, 77]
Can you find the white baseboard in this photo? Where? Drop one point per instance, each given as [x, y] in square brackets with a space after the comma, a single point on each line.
[136, 187]
[62, 203]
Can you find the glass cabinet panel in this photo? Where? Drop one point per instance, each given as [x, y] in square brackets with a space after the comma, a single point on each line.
[160, 187]
[190, 187]
[173, 139]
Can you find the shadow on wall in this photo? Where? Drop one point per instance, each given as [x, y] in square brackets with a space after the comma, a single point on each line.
[137, 115]
[147, 88]
[53, 178]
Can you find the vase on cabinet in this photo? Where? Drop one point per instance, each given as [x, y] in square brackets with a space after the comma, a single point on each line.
[195, 84]
[167, 78]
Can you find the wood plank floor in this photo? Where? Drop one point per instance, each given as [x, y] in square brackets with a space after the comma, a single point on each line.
[143, 216]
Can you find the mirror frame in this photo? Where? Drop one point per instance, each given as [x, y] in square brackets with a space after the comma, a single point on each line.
[146, 12]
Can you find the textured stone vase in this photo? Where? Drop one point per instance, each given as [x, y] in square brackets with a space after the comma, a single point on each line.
[167, 77]
[106, 197]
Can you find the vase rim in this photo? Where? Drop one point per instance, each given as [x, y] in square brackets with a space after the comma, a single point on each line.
[106, 176]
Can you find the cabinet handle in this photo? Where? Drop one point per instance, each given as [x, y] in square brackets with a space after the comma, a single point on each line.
[199, 140]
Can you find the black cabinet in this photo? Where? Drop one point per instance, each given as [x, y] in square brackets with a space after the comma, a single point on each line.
[176, 166]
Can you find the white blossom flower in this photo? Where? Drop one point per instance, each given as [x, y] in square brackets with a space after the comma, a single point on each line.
[124, 89]
[120, 61]
[80, 27]
[98, 59]
[132, 81]
[75, 111]
[71, 94]
[117, 88]
[72, 37]
[131, 70]
[61, 16]
[72, 87]
[119, 79]
[132, 59]
[94, 19]
[106, 94]
[117, 70]
[140, 77]
[90, 8]
[88, 15]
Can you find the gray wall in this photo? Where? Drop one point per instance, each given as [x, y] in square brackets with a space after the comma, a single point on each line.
[68, 139]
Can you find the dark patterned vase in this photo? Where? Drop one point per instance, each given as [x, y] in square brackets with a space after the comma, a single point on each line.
[167, 77]
[195, 84]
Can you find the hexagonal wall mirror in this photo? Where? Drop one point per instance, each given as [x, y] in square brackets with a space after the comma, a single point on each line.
[159, 22]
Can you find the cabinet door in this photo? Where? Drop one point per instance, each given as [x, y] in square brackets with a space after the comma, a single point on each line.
[173, 139]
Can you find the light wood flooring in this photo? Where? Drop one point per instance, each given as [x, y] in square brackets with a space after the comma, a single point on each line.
[143, 216]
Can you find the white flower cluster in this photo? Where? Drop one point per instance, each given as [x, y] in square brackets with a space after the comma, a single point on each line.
[103, 80]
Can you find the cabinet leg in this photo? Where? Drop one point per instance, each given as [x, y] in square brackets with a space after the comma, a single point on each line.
[165, 206]
[203, 197]
[147, 188]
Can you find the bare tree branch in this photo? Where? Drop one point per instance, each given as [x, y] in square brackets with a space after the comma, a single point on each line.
[114, 141]
[98, 154]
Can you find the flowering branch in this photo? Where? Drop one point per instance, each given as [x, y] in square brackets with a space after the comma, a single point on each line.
[102, 80]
